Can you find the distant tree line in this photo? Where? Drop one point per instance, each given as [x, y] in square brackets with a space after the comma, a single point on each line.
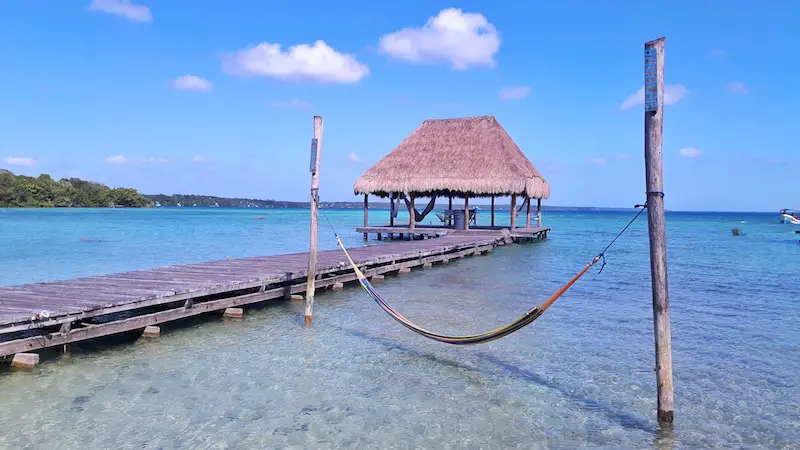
[45, 192]
[224, 202]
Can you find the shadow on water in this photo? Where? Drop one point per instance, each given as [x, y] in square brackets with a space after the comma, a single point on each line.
[624, 419]
[391, 345]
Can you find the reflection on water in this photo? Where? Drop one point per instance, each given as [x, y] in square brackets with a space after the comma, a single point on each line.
[580, 376]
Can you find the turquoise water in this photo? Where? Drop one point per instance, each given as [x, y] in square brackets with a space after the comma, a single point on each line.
[581, 376]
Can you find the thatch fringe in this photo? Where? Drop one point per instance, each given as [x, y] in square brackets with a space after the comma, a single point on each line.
[473, 155]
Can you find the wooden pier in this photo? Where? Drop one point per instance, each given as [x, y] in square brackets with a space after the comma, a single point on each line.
[392, 232]
[50, 314]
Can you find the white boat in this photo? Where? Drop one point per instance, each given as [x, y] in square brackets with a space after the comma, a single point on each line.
[790, 216]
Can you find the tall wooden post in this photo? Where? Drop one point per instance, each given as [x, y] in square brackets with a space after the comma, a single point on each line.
[653, 126]
[316, 147]
[493, 210]
[411, 217]
[513, 211]
[466, 211]
[528, 212]
[366, 213]
[538, 212]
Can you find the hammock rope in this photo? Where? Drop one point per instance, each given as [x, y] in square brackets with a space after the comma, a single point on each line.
[521, 322]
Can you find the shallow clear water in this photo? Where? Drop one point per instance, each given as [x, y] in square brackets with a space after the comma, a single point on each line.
[581, 376]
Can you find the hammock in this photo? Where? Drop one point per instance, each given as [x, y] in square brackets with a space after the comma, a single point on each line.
[419, 216]
[523, 204]
[393, 205]
[524, 320]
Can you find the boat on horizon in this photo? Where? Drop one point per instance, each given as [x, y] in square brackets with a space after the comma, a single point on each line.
[790, 216]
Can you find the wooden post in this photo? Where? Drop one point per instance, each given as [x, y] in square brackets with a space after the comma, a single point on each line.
[411, 218]
[653, 126]
[513, 211]
[366, 213]
[466, 211]
[450, 208]
[539, 212]
[528, 213]
[391, 204]
[493, 210]
[316, 147]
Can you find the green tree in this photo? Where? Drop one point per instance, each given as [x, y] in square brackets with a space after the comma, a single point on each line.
[44, 192]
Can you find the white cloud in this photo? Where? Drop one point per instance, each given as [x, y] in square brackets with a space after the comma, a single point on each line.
[690, 152]
[315, 63]
[192, 83]
[291, 103]
[623, 156]
[672, 95]
[122, 8]
[156, 160]
[200, 160]
[458, 38]
[117, 160]
[597, 161]
[737, 88]
[20, 161]
[514, 92]
[352, 157]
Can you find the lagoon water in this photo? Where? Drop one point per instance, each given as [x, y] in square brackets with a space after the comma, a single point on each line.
[581, 376]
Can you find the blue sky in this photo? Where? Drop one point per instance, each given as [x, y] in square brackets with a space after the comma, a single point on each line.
[191, 96]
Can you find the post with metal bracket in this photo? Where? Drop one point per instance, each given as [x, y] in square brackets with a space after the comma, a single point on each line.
[316, 147]
[653, 126]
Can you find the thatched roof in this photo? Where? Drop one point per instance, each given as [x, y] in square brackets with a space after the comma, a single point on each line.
[472, 155]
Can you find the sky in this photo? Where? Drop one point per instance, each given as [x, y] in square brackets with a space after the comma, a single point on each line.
[218, 98]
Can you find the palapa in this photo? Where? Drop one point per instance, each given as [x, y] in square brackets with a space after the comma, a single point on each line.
[471, 155]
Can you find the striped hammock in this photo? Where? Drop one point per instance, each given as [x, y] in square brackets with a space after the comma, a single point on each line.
[524, 320]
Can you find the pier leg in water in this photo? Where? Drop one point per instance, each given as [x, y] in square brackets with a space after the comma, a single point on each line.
[151, 331]
[653, 123]
[25, 360]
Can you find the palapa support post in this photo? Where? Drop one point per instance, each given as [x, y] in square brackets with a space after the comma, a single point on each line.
[653, 127]
[493, 210]
[528, 212]
[411, 218]
[316, 147]
[392, 198]
[513, 211]
[466, 211]
[366, 213]
[450, 209]
[539, 212]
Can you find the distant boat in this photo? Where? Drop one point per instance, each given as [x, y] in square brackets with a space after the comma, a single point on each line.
[158, 205]
[790, 216]
[179, 205]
